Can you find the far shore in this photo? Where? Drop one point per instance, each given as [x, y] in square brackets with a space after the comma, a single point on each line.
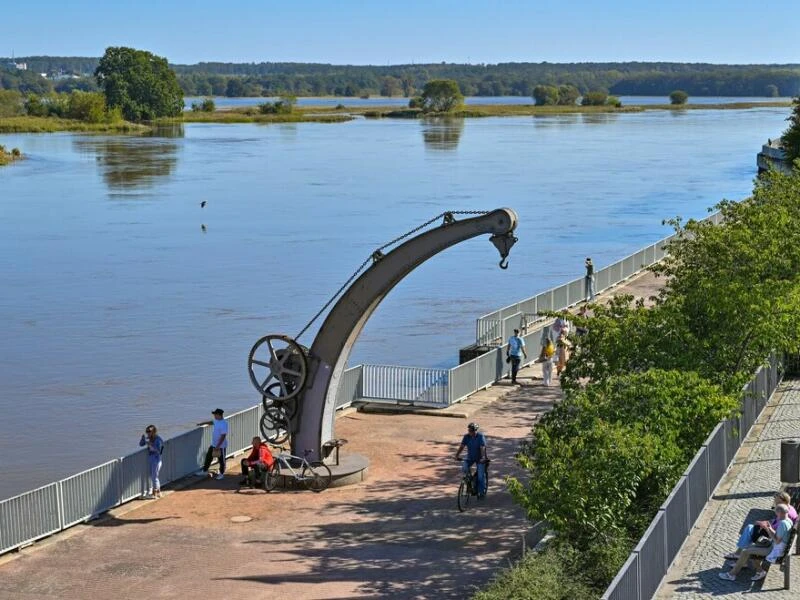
[327, 114]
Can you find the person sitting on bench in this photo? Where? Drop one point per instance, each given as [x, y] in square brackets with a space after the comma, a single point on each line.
[260, 460]
[778, 535]
[755, 531]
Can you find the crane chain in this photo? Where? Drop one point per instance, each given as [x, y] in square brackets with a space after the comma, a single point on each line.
[378, 253]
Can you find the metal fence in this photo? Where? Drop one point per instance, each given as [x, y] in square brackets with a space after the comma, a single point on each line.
[80, 497]
[491, 329]
[641, 575]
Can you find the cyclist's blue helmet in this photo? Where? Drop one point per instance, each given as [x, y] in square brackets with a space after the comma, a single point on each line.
[473, 427]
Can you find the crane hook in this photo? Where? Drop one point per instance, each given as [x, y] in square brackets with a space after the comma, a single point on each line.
[504, 262]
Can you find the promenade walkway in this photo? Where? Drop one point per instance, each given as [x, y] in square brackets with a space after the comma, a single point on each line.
[744, 495]
[398, 534]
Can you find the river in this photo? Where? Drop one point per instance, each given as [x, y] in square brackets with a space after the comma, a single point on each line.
[118, 308]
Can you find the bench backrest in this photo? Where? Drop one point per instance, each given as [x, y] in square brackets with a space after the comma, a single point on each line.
[788, 549]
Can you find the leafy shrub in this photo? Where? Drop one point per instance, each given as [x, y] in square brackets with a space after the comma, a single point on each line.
[678, 97]
[11, 104]
[545, 95]
[340, 106]
[86, 106]
[15, 152]
[595, 98]
[614, 101]
[547, 575]
[207, 105]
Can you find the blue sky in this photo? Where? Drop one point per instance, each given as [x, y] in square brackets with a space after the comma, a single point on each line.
[361, 32]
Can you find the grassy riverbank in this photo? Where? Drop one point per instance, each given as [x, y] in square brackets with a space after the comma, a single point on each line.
[327, 114]
[9, 156]
[28, 124]
[252, 115]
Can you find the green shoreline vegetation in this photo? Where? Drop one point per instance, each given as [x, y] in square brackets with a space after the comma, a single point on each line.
[645, 386]
[320, 114]
[9, 156]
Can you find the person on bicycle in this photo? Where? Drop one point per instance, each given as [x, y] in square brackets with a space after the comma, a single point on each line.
[260, 460]
[475, 444]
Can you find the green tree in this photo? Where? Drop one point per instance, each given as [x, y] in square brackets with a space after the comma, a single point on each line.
[545, 95]
[790, 140]
[10, 103]
[207, 105]
[613, 101]
[139, 83]
[234, 88]
[678, 97]
[86, 106]
[441, 95]
[594, 98]
[771, 91]
[568, 95]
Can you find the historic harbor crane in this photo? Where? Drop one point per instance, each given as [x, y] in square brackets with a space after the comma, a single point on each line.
[299, 385]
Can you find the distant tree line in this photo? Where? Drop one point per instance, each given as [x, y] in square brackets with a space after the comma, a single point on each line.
[505, 79]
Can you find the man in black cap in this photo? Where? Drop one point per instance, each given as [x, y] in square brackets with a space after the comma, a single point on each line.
[219, 444]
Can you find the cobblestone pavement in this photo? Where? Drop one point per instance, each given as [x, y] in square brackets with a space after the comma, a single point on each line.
[744, 496]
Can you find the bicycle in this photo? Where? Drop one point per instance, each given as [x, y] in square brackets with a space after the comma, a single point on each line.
[316, 475]
[469, 484]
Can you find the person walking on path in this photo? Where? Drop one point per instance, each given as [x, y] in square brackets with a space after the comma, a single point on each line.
[546, 358]
[219, 444]
[155, 448]
[562, 353]
[514, 354]
[475, 443]
[588, 280]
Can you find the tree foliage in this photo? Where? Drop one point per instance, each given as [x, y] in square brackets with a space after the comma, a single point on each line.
[790, 140]
[678, 97]
[141, 84]
[594, 98]
[647, 384]
[441, 95]
[504, 79]
[545, 95]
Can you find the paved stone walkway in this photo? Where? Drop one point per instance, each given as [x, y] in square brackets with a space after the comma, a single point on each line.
[744, 495]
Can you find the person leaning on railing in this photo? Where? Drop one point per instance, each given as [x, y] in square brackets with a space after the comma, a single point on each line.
[155, 448]
[778, 535]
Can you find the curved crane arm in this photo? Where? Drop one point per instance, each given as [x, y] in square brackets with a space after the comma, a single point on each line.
[331, 348]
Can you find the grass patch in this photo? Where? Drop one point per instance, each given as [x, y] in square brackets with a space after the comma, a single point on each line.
[252, 115]
[9, 156]
[27, 124]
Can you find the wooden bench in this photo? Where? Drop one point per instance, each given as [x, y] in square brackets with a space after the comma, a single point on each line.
[785, 561]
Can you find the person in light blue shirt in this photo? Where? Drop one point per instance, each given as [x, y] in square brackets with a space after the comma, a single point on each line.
[219, 444]
[514, 354]
[475, 444]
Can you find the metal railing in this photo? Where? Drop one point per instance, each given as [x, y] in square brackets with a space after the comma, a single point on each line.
[642, 574]
[80, 497]
[491, 329]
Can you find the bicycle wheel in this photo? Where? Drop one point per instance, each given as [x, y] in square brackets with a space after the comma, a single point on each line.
[271, 477]
[464, 492]
[317, 476]
[274, 425]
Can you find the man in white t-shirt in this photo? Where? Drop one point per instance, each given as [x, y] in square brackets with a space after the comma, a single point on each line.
[219, 444]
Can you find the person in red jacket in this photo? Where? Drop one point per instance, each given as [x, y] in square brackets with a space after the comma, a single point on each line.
[260, 460]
